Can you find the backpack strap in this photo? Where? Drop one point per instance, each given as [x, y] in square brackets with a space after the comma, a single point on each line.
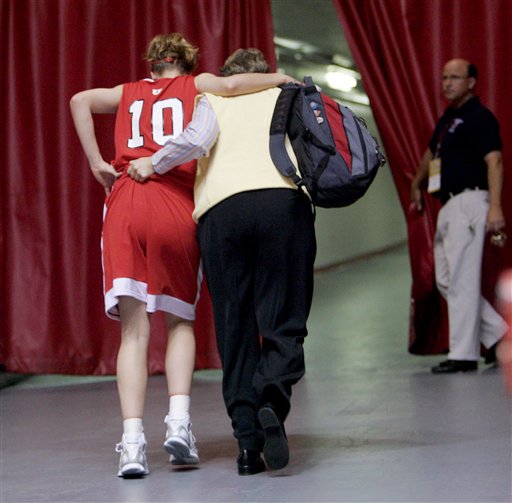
[312, 90]
[310, 87]
[278, 125]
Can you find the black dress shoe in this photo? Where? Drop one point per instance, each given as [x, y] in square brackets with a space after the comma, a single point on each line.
[275, 448]
[250, 462]
[490, 356]
[452, 366]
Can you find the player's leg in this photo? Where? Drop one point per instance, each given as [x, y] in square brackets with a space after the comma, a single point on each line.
[132, 376]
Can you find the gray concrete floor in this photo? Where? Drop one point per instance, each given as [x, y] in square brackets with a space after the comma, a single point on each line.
[369, 422]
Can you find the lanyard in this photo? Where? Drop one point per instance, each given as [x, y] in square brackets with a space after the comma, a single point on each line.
[442, 134]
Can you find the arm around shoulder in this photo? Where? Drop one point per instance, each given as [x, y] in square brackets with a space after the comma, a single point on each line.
[243, 83]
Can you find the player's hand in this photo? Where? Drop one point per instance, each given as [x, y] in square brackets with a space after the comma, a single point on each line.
[105, 174]
[291, 80]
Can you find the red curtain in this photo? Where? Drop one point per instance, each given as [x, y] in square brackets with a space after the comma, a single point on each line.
[400, 47]
[51, 309]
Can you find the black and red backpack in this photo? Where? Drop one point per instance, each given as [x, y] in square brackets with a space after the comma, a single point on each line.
[337, 156]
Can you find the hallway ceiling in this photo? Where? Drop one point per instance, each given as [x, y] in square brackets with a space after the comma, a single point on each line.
[314, 24]
[309, 41]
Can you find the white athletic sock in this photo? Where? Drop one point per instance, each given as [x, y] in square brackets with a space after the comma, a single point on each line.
[179, 408]
[132, 427]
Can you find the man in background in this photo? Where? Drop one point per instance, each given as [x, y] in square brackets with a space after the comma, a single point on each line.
[462, 166]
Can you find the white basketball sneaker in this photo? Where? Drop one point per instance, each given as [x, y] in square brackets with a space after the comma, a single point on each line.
[180, 443]
[132, 462]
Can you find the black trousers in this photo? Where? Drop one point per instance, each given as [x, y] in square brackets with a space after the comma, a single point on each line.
[258, 251]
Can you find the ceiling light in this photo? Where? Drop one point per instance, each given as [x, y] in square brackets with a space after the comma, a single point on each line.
[341, 80]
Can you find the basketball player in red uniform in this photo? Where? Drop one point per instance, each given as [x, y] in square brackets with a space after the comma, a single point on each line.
[151, 258]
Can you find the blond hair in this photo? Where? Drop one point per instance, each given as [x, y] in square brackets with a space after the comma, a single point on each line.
[171, 51]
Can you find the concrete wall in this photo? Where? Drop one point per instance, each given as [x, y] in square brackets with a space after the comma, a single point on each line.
[371, 224]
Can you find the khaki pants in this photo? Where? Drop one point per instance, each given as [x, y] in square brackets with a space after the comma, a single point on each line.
[458, 250]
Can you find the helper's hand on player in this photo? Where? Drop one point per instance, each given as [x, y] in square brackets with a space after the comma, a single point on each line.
[141, 169]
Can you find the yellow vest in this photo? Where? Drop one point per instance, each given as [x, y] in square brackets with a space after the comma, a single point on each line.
[240, 160]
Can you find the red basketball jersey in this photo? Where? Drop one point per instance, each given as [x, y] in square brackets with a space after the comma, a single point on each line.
[149, 113]
[150, 250]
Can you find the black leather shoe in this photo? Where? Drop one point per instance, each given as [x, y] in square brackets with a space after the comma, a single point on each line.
[275, 448]
[490, 356]
[250, 462]
[452, 366]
